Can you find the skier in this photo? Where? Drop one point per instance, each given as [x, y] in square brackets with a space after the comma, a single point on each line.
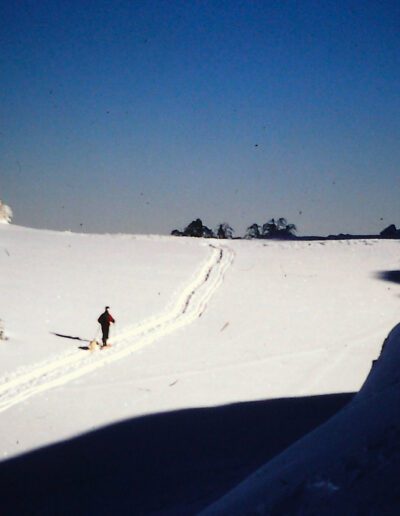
[105, 320]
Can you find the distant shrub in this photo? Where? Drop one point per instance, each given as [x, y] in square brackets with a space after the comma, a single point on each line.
[2, 331]
[195, 229]
[390, 232]
[224, 231]
[278, 229]
[253, 231]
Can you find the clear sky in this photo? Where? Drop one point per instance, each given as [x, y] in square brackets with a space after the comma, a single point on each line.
[139, 116]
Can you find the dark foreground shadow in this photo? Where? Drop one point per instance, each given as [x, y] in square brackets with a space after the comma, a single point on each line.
[171, 464]
[393, 276]
[69, 337]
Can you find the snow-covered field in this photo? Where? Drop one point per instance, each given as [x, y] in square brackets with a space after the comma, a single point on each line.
[225, 353]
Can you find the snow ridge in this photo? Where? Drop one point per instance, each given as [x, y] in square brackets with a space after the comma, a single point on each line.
[190, 305]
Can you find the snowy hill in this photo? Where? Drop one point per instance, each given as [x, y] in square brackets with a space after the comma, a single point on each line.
[225, 354]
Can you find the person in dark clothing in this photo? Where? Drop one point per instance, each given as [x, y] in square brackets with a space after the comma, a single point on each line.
[105, 320]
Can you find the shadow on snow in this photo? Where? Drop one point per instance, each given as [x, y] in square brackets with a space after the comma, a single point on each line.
[173, 463]
[69, 337]
[393, 276]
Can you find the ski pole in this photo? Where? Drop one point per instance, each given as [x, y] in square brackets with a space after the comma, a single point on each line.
[97, 333]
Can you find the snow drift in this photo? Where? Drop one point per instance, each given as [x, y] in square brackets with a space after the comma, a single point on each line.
[349, 465]
[5, 213]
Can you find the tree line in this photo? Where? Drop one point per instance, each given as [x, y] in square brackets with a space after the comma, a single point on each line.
[274, 228]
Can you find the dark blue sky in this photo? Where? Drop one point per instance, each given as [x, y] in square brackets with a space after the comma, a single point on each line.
[139, 116]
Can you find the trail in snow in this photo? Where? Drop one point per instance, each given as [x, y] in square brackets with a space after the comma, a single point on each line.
[190, 305]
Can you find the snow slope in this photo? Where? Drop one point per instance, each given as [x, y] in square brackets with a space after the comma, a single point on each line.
[349, 465]
[207, 332]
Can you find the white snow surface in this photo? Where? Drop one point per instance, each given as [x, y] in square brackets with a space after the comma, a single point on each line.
[199, 323]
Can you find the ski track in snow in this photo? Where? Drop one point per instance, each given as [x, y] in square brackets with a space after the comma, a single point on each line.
[190, 305]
